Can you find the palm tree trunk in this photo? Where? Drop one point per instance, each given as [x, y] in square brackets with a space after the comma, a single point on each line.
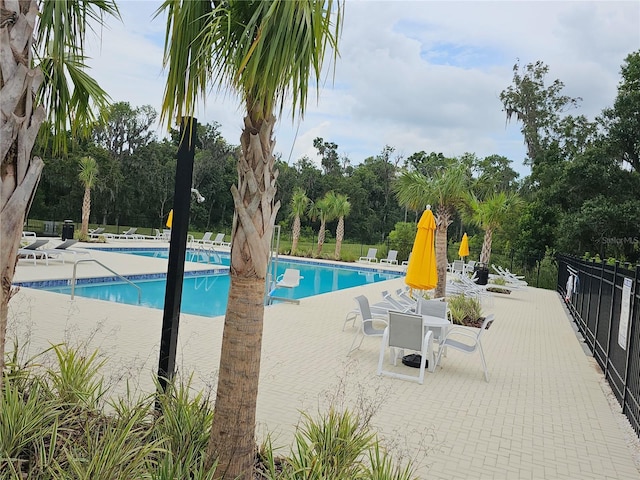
[441, 258]
[339, 237]
[19, 124]
[485, 254]
[321, 233]
[86, 208]
[232, 441]
[296, 234]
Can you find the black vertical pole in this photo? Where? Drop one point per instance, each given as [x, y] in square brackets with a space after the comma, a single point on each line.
[177, 251]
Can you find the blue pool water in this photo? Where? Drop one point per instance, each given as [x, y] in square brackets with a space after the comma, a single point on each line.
[206, 295]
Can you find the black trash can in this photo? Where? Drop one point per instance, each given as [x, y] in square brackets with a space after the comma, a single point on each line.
[68, 229]
[481, 272]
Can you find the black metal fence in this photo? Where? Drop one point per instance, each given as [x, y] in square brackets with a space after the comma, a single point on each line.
[604, 301]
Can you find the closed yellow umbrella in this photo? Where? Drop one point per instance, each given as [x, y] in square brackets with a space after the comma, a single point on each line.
[421, 271]
[170, 218]
[463, 251]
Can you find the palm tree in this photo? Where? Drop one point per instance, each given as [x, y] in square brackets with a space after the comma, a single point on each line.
[446, 189]
[490, 214]
[88, 174]
[43, 79]
[299, 204]
[264, 51]
[341, 208]
[322, 210]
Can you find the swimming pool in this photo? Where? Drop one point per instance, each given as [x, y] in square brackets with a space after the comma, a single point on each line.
[206, 294]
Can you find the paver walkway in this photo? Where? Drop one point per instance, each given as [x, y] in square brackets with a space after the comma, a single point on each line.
[543, 415]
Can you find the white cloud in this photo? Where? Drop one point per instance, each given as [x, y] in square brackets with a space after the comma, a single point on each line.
[418, 75]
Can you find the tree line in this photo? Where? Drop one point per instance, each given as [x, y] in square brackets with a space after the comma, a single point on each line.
[581, 196]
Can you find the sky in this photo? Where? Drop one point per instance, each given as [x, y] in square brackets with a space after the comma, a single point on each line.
[412, 75]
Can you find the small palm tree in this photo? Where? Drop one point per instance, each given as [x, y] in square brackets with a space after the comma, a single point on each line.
[321, 210]
[490, 214]
[299, 204]
[447, 190]
[341, 208]
[88, 175]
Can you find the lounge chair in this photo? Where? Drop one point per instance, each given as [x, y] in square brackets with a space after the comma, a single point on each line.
[396, 304]
[289, 279]
[508, 276]
[219, 241]
[34, 252]
[405, 331]
[391, 258]
[206, 239]
[64, 248]
[371, 256]
[96, 232]
[129, 234]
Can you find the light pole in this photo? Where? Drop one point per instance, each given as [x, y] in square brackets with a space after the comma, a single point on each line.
[177, 252]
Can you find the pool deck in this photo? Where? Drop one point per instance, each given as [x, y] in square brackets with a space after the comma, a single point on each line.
[545, 413]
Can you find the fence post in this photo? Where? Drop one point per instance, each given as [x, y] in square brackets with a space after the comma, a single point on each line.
[613, 301]
[595, 337]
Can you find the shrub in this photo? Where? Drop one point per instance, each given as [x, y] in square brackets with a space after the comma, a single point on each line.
[464, 309]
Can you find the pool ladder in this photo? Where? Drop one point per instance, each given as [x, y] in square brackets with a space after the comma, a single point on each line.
[74, 279]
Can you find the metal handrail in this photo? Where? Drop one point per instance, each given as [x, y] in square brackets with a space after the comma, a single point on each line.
[73, 279]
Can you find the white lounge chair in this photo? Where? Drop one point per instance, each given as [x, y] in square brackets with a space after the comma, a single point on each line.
[392, 258]
[405, 331]
[205, 240]
[371, 256]
[129, 234]
[96, 232]
[219, 241]
[64, 248]
[33, 251]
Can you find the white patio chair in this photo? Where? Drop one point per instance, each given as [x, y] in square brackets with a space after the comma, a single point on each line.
[378, 310]
[472, 341]
[392, 258]
[405, 332]
[367, 327]
[468, 267]
[289, 279]
[371, 256]
[457, 266]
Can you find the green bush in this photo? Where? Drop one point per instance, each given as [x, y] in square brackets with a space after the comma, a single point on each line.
[55, 424]
[464, 309]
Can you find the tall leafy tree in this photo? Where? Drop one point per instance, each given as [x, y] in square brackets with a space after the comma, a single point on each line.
[87, 175]
[266, 52]
[43, 78]
[447, 191]
[536, 106]
[624, 118]
[299, 204]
